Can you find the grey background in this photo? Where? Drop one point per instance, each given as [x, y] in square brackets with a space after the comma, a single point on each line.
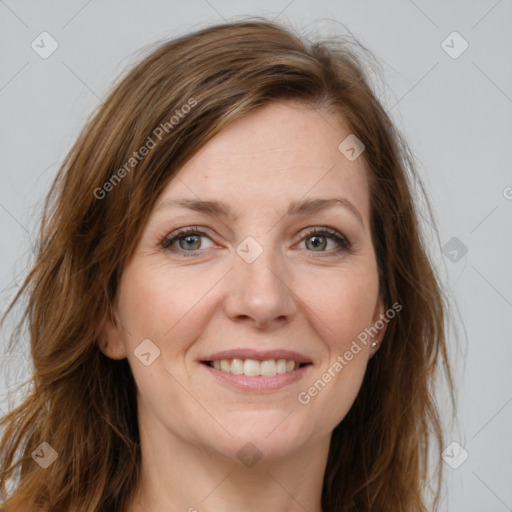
[455, 112]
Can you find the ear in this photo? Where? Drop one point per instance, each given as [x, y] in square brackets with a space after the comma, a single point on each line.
[380, 322]
[110, 336]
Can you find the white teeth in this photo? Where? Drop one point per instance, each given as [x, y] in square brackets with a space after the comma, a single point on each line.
[268, 368]
[237, 366]
[253, 368]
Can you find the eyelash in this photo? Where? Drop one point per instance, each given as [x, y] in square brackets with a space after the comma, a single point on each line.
[345, 245]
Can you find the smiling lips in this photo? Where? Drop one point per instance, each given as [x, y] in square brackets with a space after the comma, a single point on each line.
[253, 368]
[252, 363]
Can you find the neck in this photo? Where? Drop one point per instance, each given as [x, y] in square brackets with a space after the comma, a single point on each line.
[177, 475]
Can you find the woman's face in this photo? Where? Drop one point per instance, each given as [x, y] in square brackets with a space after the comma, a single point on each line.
[245, 290]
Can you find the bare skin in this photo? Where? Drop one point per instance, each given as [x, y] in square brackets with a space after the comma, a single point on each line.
[304, 292]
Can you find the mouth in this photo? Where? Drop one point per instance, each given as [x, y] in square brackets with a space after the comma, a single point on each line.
[257, 371]
[254, 367]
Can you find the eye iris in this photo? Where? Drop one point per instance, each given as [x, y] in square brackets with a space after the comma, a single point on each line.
[187, 239]
[315, 237]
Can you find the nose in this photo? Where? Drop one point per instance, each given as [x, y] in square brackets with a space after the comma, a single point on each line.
[260, 291]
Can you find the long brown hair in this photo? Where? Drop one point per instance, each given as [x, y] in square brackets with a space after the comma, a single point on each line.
[84, 404]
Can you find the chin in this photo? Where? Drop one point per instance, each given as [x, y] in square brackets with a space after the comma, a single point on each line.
[272, 435]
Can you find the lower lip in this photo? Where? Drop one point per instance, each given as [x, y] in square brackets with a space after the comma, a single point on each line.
[259, 383]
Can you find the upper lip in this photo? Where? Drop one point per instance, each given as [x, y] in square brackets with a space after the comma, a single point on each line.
[263, 355]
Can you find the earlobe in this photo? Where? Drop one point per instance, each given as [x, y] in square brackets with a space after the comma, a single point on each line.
[379, 323]
[109, 338]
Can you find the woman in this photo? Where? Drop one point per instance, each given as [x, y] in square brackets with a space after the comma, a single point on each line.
[232, 305]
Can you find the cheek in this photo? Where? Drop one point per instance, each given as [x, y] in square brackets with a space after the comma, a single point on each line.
[342, 313]
[345, 309]
[343, 303]
[157, 303]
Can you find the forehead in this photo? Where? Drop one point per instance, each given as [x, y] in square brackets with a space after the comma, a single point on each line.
[274, 155]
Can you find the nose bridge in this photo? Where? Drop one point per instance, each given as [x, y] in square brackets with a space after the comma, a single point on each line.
[259, 288]
[259, 263]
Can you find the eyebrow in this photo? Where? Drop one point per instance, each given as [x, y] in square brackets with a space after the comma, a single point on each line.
[296, 208]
